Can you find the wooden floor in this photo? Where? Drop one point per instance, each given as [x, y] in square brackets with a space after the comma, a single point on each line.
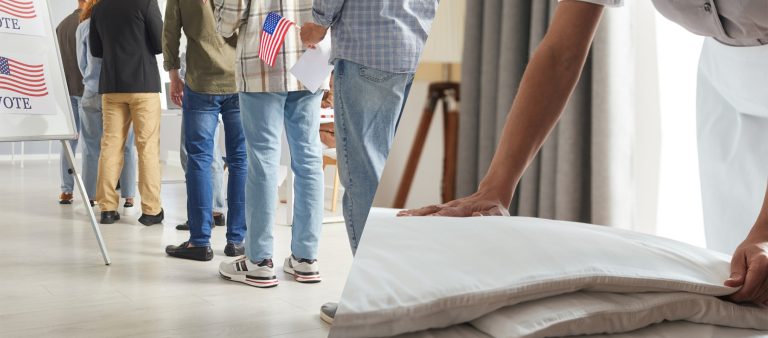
[53, 282]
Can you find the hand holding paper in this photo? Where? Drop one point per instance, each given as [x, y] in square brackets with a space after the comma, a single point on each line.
[313, 68]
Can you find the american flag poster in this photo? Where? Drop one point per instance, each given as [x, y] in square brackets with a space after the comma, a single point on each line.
[24, 86]
[272, 37]
[21, 17]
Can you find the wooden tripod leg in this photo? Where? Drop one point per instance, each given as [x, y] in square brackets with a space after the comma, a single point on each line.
[413, 158]
[451, 155]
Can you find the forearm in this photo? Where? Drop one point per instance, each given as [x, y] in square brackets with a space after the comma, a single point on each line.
[171, 36]
[546, 85]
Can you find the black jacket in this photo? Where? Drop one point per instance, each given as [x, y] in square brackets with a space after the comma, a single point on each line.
[127, 34]
[65, 32]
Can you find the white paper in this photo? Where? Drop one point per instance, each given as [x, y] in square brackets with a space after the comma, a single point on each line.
[21, 17]
[16, 94]
[313, 69]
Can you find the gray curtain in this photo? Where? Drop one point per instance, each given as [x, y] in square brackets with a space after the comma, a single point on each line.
[582, 172]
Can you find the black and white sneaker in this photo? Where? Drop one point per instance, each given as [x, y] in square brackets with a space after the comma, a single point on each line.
[242, 270]
[303, 270]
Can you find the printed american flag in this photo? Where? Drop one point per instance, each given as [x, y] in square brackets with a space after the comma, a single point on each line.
[18, 9]
[21, 78]
[273, 37]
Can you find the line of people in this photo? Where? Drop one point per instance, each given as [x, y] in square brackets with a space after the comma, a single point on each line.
[376, 48]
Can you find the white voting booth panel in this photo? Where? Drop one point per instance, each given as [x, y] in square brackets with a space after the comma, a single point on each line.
[34, 100]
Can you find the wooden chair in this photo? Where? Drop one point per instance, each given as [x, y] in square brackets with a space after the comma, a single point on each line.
[329, 158]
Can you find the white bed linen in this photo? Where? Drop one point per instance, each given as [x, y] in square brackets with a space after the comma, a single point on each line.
[414, 274]
[581, 313]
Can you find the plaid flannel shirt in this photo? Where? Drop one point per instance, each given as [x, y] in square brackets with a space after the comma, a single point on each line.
[246, 17]
[387, 35]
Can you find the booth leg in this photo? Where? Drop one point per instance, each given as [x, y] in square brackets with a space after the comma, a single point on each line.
[86, 201]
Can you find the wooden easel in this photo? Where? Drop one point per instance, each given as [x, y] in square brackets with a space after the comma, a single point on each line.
[446, 93]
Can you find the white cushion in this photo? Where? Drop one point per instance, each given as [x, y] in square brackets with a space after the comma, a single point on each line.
[412, 274]
[582, 313]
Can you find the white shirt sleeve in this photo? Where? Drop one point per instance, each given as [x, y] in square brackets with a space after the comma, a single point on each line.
[607, 3]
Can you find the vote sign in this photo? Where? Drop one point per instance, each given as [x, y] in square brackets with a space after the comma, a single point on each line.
[20, 17]
[24, 85]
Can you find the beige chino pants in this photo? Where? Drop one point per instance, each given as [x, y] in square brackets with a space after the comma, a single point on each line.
[143, 109]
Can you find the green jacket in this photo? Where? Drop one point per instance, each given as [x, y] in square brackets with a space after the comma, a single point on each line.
[210, 58]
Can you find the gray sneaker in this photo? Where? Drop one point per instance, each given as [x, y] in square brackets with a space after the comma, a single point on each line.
[328, 312]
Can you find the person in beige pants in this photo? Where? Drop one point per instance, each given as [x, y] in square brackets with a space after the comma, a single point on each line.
[127, 35]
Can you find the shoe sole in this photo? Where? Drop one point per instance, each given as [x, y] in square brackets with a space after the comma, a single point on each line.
[206, 259]
[326, 318]
[65, 202]
[302, 279]
[262, 284]
[150, 223]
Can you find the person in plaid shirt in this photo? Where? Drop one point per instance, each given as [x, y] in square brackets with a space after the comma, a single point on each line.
[270, 99]
[376, 48]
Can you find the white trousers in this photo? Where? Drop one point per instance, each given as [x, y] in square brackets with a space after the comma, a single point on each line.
[732, 121]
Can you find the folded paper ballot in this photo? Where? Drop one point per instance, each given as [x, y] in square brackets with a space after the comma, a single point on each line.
[313, 68]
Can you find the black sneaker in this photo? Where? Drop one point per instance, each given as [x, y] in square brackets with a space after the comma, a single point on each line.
[109, 217]
[234, 250]
[149, 220]
[184, 251]
[219, 220]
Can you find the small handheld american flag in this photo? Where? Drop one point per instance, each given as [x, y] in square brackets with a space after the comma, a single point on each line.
[273, 37]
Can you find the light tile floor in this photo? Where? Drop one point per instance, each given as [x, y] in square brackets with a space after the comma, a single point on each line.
[53, 282]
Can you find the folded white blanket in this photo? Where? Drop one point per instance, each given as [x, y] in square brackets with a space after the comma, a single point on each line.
[414, 274]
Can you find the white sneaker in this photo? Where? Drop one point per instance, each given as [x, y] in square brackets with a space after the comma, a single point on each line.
[303, 270]
[242, 270]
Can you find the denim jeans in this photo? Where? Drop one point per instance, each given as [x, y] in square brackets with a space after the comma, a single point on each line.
[67, 180]
[217, 168]
[368, 105]
[264, 117]
[92, 129]
[201, 119]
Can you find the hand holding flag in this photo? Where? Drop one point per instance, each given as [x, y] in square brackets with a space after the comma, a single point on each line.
[273, 37]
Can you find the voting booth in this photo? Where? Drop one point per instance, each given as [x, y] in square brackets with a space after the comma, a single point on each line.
[34, 100]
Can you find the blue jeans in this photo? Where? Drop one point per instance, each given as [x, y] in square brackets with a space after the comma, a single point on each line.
[201, 119]
[217, 168]
[67, 180]
[92, 129]
[264, 116]
[368, 104]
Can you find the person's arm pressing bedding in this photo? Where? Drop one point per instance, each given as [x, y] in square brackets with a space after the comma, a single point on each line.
[546, 85]
[749, 265]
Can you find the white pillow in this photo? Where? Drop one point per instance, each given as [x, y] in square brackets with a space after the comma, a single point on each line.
[685, 330]
[413, 274]
[582, 313]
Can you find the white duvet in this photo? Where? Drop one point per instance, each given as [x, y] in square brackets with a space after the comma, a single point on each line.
[525, 277]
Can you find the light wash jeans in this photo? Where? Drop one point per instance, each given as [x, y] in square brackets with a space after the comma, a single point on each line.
[67, 180]
[217, 168]
[368, 104]
[92, 130]
[201, 121]
[264, 116]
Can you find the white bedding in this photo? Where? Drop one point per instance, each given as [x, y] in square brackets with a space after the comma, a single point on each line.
[416, 274]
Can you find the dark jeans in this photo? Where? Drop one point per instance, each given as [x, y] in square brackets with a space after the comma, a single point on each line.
[201, 118]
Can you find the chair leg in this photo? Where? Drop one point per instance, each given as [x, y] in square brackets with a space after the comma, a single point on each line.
[335, 196]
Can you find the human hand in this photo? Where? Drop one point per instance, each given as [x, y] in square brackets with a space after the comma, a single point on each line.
[749, 268]
[177, 89]
[479, 204]
[312, 34]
